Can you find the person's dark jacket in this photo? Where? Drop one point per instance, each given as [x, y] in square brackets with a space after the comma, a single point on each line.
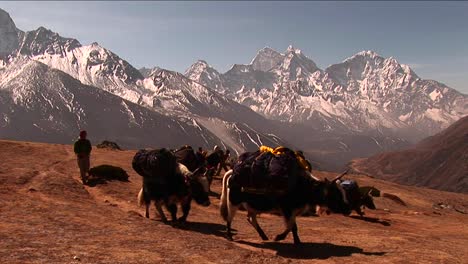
[82, 147]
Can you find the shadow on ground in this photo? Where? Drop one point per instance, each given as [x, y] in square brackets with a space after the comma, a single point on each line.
[310, 250]
[205, 228]
[371, 220]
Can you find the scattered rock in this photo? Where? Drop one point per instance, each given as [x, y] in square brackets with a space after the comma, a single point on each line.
[76, 258]
[108, 145]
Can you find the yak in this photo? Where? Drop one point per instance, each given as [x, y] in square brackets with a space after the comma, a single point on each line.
[208, 165]
[359, 197]
[264, 182]
[165, 181]
[186, 155]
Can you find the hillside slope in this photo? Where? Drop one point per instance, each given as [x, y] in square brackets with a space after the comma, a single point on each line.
[49, 217]
[439, 162]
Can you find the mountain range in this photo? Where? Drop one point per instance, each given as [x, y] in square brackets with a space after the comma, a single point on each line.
[362, 106]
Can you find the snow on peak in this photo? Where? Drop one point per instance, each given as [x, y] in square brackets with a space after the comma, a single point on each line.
[291, 49]
[368, 53]
[199, 68]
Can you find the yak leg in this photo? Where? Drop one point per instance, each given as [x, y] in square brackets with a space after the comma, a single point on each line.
[290, 225]
[295, 235]
[360, 211]
[232, 209]
[147, 205]
[158, 205]
[186, 204]
[172, 208]
[232, 212]
[252, 218]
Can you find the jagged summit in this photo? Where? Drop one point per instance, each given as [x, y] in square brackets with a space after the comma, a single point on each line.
[293, 50]
[369, 62]
[368, 53]
[266, 59]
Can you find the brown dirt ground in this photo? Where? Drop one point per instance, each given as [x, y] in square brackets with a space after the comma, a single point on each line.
[48, 216]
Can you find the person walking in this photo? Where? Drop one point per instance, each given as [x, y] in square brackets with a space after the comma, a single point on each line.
[82, 148]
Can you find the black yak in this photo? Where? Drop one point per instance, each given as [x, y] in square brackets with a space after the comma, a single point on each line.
[264, 182]
[359, 197]
[165, 181]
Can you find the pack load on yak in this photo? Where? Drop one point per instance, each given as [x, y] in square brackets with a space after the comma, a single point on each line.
[187, 156]
[157, 165]
[268, 170]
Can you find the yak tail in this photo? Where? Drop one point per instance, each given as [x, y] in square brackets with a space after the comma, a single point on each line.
[223, 206]
[141, 199]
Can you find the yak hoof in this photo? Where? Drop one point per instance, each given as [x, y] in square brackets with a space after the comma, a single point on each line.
[297, 242]
[280, 237]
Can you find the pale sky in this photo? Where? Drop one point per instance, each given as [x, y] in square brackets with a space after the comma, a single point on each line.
[431, 37]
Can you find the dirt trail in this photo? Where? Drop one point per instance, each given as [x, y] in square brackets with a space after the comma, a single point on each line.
[48, 216]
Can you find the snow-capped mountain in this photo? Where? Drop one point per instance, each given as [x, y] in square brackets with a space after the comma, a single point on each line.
[173, 91]
[203, 73]
[266, 59]
[161, 91]
[91, 64]
[365, 94]
[39, 103]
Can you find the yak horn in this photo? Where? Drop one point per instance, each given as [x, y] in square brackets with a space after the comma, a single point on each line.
[341, 175]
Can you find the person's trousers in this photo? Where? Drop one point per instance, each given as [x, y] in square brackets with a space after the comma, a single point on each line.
[83, 164]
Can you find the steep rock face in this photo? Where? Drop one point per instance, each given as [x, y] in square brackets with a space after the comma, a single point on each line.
[203, 73]
[266, 59]
[9, 35]
[438, 162]
[45, 42]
